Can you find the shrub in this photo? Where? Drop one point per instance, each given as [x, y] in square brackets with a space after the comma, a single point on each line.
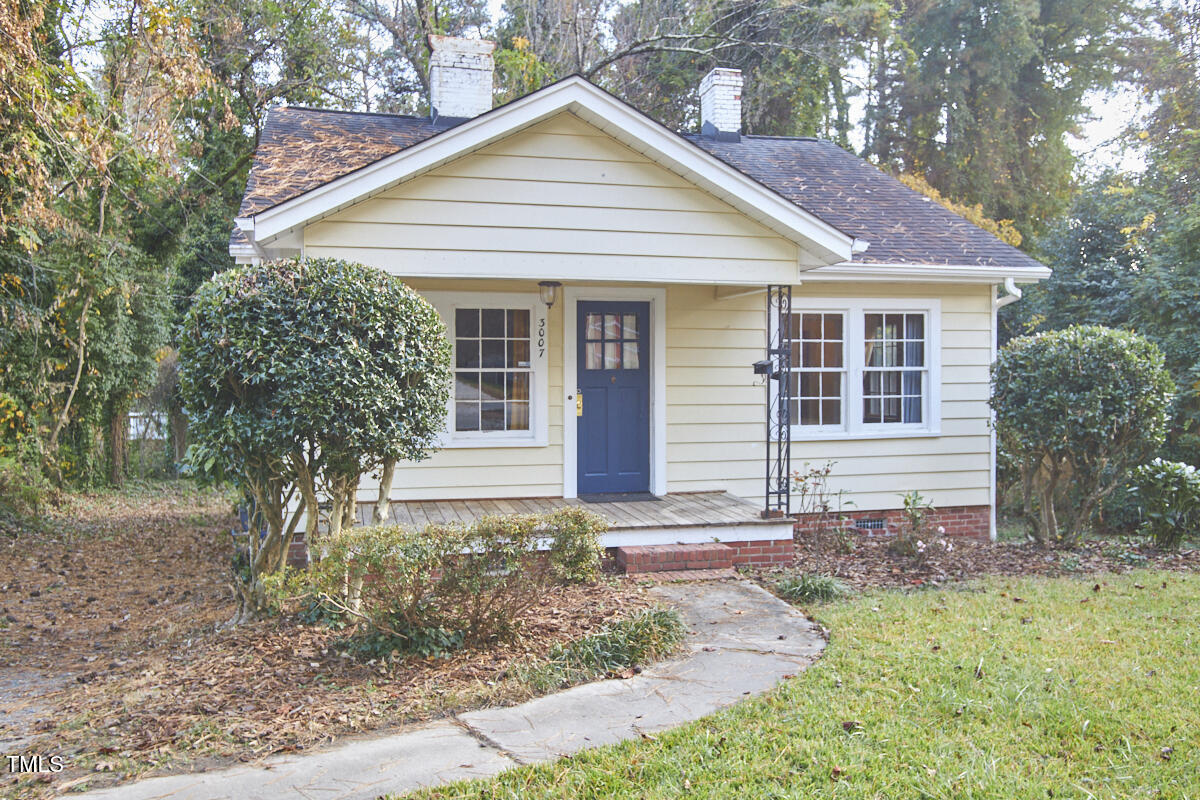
[300, 376]
[804, 588]
[1076, 409]
[471, 582]
[1170, 495]
[646, 636]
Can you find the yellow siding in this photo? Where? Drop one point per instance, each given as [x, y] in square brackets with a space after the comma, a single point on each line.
[562, 200]
[461, 472]
[952, 469]
[715, 411]
[559, 199]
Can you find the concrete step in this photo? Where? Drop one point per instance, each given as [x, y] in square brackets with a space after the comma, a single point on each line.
[674, 557]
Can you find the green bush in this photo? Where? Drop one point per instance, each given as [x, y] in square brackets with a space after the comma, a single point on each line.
[470, 581]
[300, 376]
[1076, 410]
[646, 636]
[1170, 495]
[805, 588]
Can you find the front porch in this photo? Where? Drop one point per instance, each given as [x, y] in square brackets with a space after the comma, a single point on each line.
[680, 518]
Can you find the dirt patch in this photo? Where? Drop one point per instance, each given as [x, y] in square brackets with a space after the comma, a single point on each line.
[864, 561]
[115, 656]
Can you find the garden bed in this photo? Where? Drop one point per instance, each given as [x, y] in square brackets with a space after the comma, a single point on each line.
[863, 561]
[115, 659]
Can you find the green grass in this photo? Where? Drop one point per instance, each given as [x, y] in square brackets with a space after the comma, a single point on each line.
[1011, 688]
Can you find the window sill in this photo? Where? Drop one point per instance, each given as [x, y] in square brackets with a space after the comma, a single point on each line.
[481, 443]
[839, 436]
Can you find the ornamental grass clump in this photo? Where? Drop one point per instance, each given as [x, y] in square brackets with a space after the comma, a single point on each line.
[1076, 410]
[646, 636]
[806, 588]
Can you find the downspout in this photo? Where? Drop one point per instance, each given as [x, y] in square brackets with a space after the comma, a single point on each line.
[1011, 293]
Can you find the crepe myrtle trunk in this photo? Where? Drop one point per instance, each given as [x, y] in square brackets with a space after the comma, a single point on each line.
[383, 505]
[267, 553]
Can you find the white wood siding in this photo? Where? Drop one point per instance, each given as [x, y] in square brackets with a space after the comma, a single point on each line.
[560, 199]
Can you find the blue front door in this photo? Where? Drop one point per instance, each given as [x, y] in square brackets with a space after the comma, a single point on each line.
[614, 384]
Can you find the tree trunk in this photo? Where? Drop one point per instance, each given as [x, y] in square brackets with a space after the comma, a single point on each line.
[177, 433]
[118, 444]
[383, 505]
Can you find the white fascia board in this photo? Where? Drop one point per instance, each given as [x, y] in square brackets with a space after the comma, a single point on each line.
[593, 105]
[926, 273]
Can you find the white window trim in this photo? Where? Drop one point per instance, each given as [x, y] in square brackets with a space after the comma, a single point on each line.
[852, 413]
[538, 434]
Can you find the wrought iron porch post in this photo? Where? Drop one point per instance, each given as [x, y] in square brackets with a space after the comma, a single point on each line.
[779, 396]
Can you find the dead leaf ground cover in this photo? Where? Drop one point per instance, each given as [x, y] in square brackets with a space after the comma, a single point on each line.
[114, 655]
[864, 561]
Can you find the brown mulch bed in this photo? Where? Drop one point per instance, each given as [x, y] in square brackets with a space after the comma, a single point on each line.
[115, 657]
[864, 561]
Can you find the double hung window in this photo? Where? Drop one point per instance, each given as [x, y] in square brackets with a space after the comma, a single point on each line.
[864, 368]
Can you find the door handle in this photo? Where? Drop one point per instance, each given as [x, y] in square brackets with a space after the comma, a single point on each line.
[578, 403]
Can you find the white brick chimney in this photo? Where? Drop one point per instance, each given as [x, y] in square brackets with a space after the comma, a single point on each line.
[460, 77]
[721, 104]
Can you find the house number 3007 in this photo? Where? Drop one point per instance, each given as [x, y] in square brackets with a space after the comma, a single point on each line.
[541, 336]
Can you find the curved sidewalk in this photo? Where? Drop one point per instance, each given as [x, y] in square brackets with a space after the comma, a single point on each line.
[743, 641]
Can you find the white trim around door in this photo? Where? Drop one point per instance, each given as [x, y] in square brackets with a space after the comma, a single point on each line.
[657, 298]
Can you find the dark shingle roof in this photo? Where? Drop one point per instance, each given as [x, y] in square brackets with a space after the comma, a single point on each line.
[302, 148]
[902, 226]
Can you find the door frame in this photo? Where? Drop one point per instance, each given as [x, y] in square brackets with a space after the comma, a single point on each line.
[657, 298]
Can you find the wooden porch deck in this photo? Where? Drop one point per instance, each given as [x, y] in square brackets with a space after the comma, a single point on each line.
[681, 510]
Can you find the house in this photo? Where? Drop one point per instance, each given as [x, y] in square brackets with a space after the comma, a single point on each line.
[664, 323]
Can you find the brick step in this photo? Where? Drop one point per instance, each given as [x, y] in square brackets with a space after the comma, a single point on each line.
[672, 557]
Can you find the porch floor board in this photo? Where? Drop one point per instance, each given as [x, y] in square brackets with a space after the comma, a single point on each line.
[677, 510]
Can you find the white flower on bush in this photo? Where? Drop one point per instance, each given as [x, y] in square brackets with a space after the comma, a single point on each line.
[942, 530]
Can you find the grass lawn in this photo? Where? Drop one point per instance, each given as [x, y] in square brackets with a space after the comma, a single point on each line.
[1007, 688]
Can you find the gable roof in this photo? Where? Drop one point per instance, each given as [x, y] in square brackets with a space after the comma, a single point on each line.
[304, 151]
[277, 221]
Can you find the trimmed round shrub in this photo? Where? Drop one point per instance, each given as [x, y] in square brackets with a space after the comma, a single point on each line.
[1076, 410]
[304, 375]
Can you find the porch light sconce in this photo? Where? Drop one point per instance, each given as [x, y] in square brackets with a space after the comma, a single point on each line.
[549, 291]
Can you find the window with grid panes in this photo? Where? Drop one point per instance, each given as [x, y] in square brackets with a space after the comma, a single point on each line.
[818, 385]
[611, 341]
[894, 368]
[493, 370]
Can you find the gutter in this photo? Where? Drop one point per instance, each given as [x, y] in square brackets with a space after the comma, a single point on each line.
[1011, 293]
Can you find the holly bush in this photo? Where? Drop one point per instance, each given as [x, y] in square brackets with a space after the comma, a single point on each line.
[302, 375]
[1076, 409]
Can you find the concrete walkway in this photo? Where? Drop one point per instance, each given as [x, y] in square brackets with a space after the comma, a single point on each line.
[743, 641]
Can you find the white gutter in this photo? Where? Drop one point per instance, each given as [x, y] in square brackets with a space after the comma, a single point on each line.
[926, 273]
[1011, 293]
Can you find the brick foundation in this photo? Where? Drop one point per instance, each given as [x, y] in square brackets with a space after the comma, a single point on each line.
[967, 522]
[763, 553]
